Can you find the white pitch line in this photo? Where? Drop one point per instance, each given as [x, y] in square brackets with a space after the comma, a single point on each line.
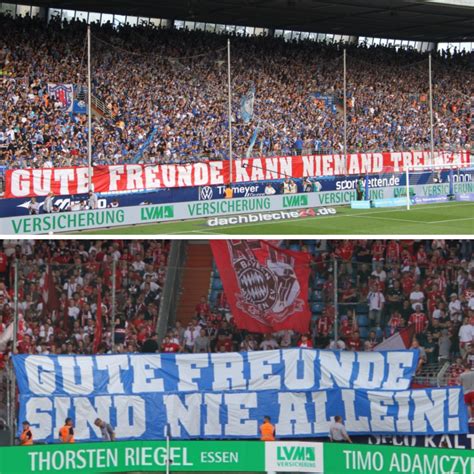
[389, 219]
[451, 220]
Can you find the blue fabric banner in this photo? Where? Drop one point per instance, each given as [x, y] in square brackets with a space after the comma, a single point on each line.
[284, 370]
[226, 395]
[238, 414]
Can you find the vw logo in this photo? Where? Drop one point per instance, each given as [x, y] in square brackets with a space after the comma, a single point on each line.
[206, 193]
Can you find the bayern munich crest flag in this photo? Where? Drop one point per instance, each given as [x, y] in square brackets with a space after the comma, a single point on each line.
[266, 286]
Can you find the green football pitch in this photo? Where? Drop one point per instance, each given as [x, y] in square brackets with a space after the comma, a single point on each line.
[432, 219]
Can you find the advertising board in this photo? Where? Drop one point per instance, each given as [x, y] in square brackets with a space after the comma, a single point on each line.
[232, 456]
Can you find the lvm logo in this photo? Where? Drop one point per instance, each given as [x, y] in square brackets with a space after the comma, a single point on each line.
[296, 456]
[296, 200]
[153, 213]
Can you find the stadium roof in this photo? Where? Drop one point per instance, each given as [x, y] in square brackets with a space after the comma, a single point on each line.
[417, 20]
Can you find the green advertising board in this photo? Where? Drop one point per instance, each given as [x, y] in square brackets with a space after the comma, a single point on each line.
[359, 459]
[188, 456]
[233, 456]
[131, 215]
[135, 215]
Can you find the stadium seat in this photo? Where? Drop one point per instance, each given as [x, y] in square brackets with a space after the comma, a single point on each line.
[362, 320]
[213, 296]
[311, 248]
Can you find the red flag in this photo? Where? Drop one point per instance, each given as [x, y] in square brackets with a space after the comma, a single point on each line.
[98, 322]
[399, 340]
[49, 293]
[266, 286]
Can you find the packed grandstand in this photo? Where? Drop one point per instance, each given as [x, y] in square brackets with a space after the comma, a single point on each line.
[160, 95]
[383, 288]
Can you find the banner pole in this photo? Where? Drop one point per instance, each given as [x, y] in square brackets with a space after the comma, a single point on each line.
[335, 302]
[431, 109]
[229, 90]
[14, 350]
[114, 270]
[12, 390]
[8, 394]
[407, 179]
[168, 462]
[89, 108]
[345, 111]
[15, 307]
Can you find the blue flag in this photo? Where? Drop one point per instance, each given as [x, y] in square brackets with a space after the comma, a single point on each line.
[246, 105]
[253, 140]
[79, 103]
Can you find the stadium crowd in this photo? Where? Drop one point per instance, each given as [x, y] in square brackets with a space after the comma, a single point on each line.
[383, 287]
[165, 95]
[65, 322]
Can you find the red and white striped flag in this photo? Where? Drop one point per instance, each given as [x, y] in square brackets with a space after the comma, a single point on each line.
[399, 340]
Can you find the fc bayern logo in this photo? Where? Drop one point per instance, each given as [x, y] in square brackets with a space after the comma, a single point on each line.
[257, 284]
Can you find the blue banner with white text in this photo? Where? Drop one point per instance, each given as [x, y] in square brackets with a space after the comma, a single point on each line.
[226, 395]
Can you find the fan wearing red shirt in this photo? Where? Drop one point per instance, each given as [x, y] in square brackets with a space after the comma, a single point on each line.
[305, 342]
[25, 345]
[407, 258]
[378, 250]
[224, 344]
[422, 258]
[3, 264]
[126, 256]
[393, 252]
[408, 245]
[202, 309]
[354, 342]
[323, 329]
[215, 319]
[345, 251]
[395, 323]
[169, 346]
[346, 329]
[437, 259]
[434, 296]
[349, 293]
[420, 321]
[408, 283]
[328, 289]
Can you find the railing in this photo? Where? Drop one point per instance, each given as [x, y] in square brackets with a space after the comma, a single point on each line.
[100, 106]
[441, 379]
